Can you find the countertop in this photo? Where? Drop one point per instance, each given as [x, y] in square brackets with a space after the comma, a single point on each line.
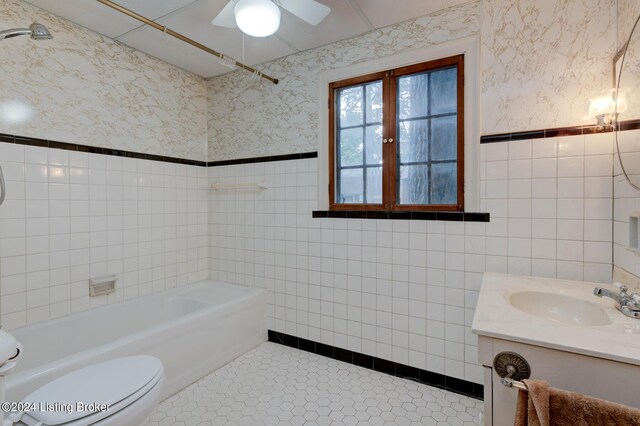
[495, 317]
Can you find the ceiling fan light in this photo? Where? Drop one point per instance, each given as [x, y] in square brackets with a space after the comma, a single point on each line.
[257, 18]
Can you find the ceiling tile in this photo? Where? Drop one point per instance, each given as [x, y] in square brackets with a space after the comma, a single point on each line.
[452, 3]
[153, 9]
[195, 23]
[343, 22]
[193, 19]
[174, 51]
[383, 12]
[89, 14]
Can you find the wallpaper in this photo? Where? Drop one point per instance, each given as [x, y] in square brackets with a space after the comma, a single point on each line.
[257, 118]
[543, 61]
[85, 88]
[628, 12]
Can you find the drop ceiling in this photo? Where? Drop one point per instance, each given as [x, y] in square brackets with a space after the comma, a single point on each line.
[348, 18]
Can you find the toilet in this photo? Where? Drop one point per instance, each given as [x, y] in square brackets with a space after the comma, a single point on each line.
[119, 392]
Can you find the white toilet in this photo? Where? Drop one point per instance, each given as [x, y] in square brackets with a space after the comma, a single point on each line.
[130, 386]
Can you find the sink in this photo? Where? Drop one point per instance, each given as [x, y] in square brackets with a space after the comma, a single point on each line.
[559, 307]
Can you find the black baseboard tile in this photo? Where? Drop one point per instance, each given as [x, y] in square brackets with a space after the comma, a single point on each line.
[343, 355]
[398, 215]
[324, 350]
[363, 360]
[307, 345]
[384, 366]
[407, 372]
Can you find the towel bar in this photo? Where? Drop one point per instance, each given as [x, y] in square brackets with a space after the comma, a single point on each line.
[510, 383]
[221, 187]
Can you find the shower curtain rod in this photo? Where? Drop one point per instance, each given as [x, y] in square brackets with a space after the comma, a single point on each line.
[179, 36]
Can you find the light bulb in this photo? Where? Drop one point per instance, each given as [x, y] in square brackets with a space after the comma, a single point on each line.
[257, 18]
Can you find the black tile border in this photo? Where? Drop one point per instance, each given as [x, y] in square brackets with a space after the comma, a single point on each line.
[442, 216]
[286, 157]
[629, 125]
[441, 381]
[493, 138]
[45, 143]
[558, 132]
[549, 133]
[20, 140]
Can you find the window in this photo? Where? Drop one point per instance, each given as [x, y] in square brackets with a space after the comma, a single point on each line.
[397, 139]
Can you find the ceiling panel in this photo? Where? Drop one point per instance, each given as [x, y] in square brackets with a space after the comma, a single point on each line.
[155, 8]
[384, 12]
[452, 3]
[348, 18]
[174, 51]
[195, 23]
[90, 14]
[343, 22]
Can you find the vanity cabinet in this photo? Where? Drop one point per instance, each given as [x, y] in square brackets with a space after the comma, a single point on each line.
[569, 337]
[597, 377]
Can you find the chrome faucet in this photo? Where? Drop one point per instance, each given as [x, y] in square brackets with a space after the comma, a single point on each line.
[628, 304]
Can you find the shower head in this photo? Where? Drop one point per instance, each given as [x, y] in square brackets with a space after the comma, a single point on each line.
[39, 32]
[35, 30]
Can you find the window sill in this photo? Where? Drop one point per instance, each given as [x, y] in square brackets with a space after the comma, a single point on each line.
[359, 214]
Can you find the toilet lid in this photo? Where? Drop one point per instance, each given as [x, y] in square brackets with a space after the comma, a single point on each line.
[105, 383]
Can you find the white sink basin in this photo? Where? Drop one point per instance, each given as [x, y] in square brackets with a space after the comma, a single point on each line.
[566, 309]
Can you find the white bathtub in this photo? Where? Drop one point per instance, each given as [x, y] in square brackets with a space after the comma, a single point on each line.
[193, 330]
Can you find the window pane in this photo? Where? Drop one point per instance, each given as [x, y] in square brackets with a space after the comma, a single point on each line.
[351, 147]
[374, 185]
[413, 141]
[444, 138]
[443, 183]
[413, 184]
[350, 101]
[351, 186]
[374, 102]
[374, 144]
[444, 91]
[427, 136]
[413, 95]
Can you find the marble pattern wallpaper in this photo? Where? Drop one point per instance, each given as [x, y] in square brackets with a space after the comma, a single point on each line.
[82, 87]
[543, 61]
[256, 118]
[628, 12]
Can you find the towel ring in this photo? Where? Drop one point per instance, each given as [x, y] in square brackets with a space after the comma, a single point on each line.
[510, 365]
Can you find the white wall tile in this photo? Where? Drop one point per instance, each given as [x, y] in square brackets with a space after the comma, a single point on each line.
[406, 284]
[70, 224]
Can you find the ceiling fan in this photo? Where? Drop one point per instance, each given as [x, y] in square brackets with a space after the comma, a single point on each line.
[261, 18]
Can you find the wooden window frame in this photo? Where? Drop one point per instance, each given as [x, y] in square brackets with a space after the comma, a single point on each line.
[389, 125]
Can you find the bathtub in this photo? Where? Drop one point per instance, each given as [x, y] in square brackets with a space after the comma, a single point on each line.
[192, 329]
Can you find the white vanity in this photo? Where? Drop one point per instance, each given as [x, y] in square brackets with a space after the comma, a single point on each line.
[569, 337]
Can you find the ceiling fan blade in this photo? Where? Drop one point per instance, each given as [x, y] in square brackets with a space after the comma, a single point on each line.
[308, 10]
[226, 17]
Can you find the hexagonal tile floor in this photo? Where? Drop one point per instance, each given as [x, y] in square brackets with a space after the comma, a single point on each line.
[275, 384]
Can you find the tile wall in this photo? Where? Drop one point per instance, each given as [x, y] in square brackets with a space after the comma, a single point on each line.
[70, 216]
[626, 198]
[627, 203]
[406, 290]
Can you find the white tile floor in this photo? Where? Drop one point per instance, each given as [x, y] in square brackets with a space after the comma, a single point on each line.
[275, 384]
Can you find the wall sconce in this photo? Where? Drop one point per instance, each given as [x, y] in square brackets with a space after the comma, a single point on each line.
[603, 108]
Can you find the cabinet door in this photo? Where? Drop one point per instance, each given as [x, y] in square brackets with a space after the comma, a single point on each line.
[605, 379]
